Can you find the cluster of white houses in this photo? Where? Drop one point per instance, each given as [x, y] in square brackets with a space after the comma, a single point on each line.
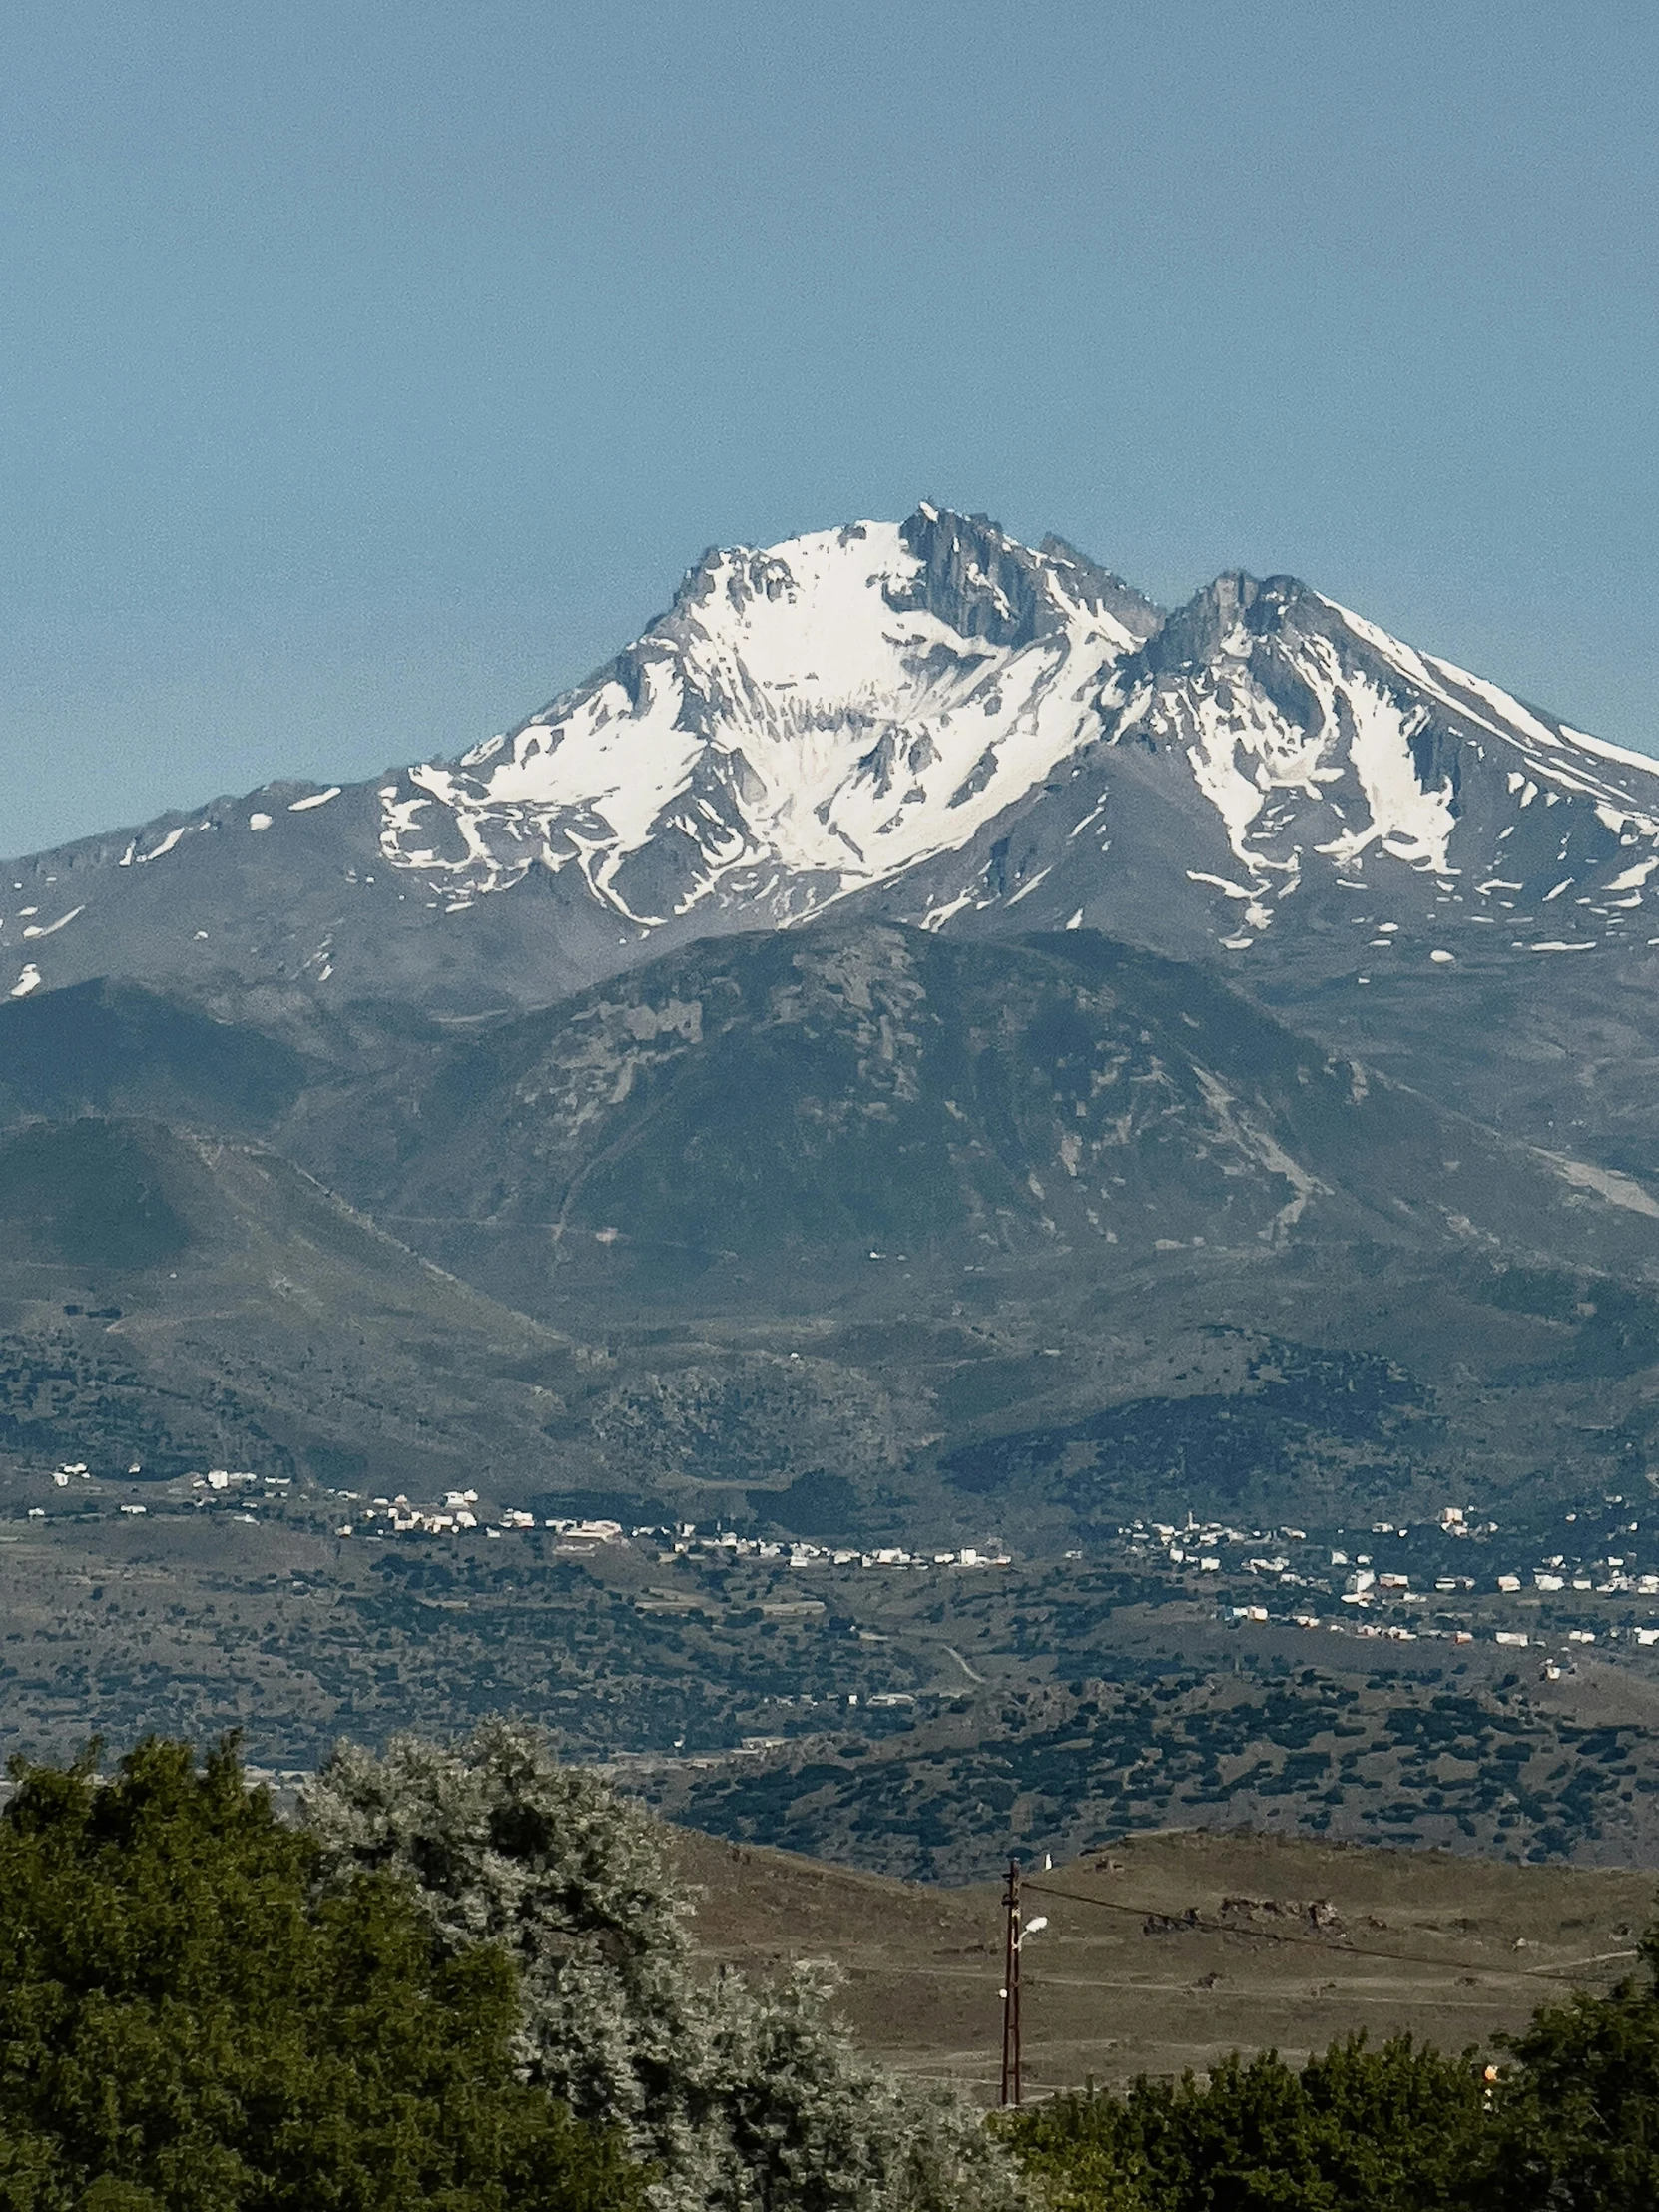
[1285, 1556]
[795, 1553]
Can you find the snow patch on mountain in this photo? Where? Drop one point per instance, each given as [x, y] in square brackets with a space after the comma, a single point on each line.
[1550, 750]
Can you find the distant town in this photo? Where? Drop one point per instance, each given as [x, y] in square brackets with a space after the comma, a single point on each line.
[1438, 1581]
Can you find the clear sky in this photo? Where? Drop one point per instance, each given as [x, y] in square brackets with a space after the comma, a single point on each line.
[372, 368]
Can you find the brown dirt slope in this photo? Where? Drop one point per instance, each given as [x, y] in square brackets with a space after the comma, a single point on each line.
[1173, 1949]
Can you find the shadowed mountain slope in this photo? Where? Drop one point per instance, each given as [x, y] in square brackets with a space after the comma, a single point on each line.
[184, 1302]
[779, 1119]
[863, 1222]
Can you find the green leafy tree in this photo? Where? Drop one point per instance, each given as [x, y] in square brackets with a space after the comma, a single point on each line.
[1576, 2119]
[746, 2099]
[1393, 2129]
[186, 2024]
[1398, 2129]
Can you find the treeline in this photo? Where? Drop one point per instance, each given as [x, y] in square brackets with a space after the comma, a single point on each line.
[1566, 2122]
[460, 1979]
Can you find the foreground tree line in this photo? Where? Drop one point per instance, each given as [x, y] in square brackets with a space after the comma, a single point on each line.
[1570, 2123]
[461, 1979]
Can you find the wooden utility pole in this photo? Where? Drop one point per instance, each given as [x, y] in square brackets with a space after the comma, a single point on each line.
[1010, 1988]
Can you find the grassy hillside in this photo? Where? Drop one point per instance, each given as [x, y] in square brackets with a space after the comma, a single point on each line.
[1170, 1950]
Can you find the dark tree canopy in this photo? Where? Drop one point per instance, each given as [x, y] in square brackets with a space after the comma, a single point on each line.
[1579, 2119]
[187, 2022]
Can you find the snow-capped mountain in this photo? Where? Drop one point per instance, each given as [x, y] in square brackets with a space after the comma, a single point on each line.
[880, 707]
[1332, 754]
[804, 722]
[926, 721]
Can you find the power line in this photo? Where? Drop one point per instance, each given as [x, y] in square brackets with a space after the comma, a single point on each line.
[1198, 1927]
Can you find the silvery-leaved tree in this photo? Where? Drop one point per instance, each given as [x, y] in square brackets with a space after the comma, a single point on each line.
[748, 2099]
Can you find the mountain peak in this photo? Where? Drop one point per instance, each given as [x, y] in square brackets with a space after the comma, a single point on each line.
[937, 720]
[1225, 617]
[965, 569]
[986, 584]
[806, 719]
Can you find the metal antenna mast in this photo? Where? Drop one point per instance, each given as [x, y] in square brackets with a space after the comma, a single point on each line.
[1010, 1988]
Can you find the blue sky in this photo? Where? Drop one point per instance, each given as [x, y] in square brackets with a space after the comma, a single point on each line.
[369, 371]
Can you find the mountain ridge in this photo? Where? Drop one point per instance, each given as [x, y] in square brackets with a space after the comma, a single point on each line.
[868, 1221]
[929, 724]
[927, 718]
